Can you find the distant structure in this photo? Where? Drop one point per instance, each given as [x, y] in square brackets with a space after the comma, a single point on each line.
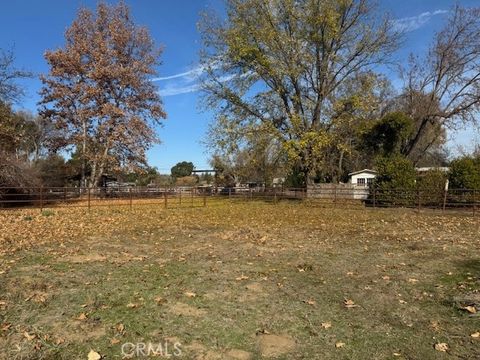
[362, 178]
[204, 171]
[365, 177]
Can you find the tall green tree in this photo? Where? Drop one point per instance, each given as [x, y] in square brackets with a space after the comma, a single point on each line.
[182, 169]
[99, 93]
[280, 65]
[388, 135]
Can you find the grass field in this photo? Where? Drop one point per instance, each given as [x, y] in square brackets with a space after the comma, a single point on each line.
[239, 281]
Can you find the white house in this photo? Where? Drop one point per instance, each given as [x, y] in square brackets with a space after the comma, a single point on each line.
[362, 178]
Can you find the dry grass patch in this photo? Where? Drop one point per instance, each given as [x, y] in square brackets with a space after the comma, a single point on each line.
[240, 281]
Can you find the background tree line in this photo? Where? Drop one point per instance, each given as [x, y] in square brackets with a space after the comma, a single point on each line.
[295, 86]
[297, 90]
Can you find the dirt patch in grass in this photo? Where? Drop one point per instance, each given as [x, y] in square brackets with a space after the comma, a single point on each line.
[272, 346]
[182, 309]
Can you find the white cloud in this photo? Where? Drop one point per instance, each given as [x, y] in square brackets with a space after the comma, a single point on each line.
[184, 82]
[413, 23]
[188, 81]
[187, 75]
[177, 90]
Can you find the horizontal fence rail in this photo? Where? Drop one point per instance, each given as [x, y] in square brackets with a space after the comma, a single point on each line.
[176, 196]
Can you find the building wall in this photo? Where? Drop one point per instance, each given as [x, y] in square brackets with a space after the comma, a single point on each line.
[354, 178]
[337, 191]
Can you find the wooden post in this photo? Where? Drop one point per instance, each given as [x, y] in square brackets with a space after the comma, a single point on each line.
[445, 194]
[444, 200]
[251, 194]
[274, 195]
[41, 198]
[374, 197]
[192, 190]
[131, 200]
[335, 195]
[204, 198]
[165, 198]
[180, 197]
[64, 194]
[229, 193]
[88, 199]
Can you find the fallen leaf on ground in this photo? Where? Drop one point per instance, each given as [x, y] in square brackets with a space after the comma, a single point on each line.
[243, 277]
[160, 300]
[82, 316]
[309, 302]
[120, 328]
[93, 355]
[132, 305]
[476, 334]
[190, 294]
[470, 309]
[339, 344]
[28, 336]
[443, 347]
[326, 325]
[412, 280]
[114, 341]
[349, 303]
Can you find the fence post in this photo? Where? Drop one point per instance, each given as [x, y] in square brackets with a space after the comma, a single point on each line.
[88, 198]
[180, 197]
[41, 198]
[251, 194]
[274, 195]
[335, 195]
[165, 198]
[64, 194]
[204, 198]
[374, 197]
[130, 201]
[192, 190]
[444, 200]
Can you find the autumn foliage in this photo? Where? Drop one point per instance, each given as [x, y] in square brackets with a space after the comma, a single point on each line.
[98, 91]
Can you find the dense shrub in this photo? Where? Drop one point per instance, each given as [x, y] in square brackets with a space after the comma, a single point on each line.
[432, 187]
[396, 180]
[465, 173]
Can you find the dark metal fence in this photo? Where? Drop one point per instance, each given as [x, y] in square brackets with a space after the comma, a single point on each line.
[169, 196]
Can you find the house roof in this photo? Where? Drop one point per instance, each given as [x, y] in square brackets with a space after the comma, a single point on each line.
[363, 171]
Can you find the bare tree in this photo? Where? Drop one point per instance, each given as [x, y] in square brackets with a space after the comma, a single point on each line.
[443, 89]
[10, 90]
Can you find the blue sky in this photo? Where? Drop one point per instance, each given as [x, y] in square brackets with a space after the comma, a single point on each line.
[30, 27]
